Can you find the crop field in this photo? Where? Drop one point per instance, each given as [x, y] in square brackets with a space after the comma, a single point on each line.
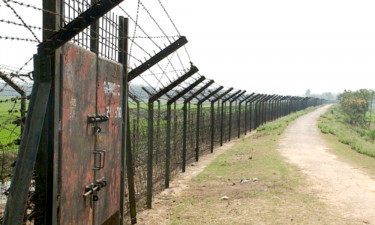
[10, 131]
[10, 128]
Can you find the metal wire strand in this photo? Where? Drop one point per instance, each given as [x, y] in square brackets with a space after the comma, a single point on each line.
[20, 18]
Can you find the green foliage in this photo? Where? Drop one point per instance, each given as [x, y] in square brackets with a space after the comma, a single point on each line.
[359, 138]
[356, 104]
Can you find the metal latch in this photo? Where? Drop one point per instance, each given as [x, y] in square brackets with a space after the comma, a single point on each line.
[96, 118]
[93, 188]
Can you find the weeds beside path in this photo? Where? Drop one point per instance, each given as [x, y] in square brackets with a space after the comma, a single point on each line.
[250, 183]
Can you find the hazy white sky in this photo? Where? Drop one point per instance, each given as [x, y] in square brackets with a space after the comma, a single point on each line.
[281, 46]
[266, 46]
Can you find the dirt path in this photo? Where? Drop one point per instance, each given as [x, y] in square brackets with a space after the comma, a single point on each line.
[348, 190]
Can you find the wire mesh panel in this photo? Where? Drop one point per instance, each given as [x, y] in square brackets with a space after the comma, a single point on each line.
[140, 117]
[176, 139]
[225, 122]
[159, 153]
[253, 116]
[244, 118]
[217, 122]
[205, 129]
[191, 133]
[235, 118]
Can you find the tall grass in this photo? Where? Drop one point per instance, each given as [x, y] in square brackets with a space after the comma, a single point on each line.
[360, 139]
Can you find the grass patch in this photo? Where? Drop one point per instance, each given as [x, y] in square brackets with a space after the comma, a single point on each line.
[278, 196]
[359, 139]
[9, 133]
[346, 154]
[9, 117]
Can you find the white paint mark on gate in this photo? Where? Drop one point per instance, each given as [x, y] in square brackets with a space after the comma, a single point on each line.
[110, 88]
[73, 106]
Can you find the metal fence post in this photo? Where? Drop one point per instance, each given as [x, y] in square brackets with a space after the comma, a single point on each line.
[223, 111]
[168, 132]
[184, 128]
[239, 113]
[230, 113]
[126, 152]
[150, 154]
[251, 100]
[200, 102]
[212, 116]
[151, 101]
[168, 146]
[158, 133]
[186, 101]
[27, 154]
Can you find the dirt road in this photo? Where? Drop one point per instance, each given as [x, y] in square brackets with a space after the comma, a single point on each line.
[349, 191]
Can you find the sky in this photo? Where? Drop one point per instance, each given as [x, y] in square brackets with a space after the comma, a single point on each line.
[281, 46]
[265, 46]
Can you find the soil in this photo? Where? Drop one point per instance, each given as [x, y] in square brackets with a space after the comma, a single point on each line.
[348, 190]
[161, 203]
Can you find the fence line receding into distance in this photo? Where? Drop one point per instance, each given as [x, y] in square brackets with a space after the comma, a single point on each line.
[121, 106]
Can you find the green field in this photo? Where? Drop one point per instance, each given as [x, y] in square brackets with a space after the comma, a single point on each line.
[9, 130]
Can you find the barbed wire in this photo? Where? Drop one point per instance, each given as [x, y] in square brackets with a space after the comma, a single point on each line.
[174, 25]
[155, 37]
[136, 37]
[19, 24]
[12, 99]
[135, 21]
[23, 66]
[20, 18]
[24, 4]
[18, 39]
[153, 19]
[135, 27]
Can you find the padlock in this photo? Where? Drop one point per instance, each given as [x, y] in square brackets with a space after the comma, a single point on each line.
[99, 138]
[97, 133]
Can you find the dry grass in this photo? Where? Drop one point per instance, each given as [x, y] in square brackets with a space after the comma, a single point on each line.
[280, 196]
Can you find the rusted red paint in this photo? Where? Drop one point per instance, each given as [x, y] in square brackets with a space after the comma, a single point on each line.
[109, 102]
[79, 89]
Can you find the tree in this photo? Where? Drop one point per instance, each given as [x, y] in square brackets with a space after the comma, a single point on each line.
[356, 104]
[328, 96]
[308, 93]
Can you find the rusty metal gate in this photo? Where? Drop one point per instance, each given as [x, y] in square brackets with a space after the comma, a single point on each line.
[90, 145]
